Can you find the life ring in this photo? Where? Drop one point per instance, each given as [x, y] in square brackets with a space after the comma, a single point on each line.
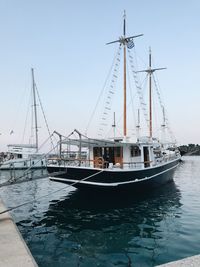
[100, 162]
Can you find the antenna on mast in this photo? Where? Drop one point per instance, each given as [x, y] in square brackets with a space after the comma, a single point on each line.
[124, 23]
[138, 126]
[163, 125]
[114, 125]
[164, 118]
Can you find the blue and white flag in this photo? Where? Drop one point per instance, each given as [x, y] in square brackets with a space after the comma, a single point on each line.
[130, 44]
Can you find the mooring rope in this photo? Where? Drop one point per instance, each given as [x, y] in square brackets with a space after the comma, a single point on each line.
[36, 200]
[28, 170]
[13, 180]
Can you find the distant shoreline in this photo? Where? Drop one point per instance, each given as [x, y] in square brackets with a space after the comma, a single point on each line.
[190, 150]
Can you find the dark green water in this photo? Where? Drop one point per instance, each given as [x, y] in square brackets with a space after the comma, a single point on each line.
[73, 229]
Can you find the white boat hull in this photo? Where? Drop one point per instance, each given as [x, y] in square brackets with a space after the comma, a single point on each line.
[22, 164]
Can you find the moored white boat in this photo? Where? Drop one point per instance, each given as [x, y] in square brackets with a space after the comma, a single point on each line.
[24, 156]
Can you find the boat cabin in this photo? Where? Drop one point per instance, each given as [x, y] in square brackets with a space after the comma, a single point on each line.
[113, 154]
[21, 151]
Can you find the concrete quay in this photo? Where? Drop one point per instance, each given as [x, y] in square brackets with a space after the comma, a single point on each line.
[13, 249]
[193, 261]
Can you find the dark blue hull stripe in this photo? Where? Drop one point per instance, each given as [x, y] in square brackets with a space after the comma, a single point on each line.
[135, 181]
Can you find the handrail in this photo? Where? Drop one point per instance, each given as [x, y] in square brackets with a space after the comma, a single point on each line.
[137, 162]
[101, 163]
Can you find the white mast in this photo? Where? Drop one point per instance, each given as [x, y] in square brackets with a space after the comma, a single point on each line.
[35, 109]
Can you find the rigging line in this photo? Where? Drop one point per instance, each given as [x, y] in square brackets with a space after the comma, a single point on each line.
[27, 171]
[45, 119]
[139, 89]
[158, 92]
[138, 57]
[21, 100]
[144, 82]
[162, 105]
[50, 137]
[32, 121]
[36, 200]
[155, 115]
[131, 102]
[110, 91]
[55, 140]
[26, 119]
[102, 90]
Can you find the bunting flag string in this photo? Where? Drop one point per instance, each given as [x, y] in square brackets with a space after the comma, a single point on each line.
[110, 95]
[139, 89]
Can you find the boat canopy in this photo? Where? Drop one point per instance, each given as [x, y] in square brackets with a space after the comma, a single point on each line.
[22, 146]
[90, 142]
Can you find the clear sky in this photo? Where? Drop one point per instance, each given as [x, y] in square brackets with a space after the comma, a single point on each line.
[65, 43]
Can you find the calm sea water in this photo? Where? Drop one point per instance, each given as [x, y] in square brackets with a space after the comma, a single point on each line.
[69, 228]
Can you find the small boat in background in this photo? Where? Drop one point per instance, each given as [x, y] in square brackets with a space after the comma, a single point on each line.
[21, 156]
[117, 164]
[25, 156]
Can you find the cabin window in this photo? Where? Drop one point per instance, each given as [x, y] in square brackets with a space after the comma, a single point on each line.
[146, 156]
[118, 152]
[135, 151]
[97, 151]
[32, 162]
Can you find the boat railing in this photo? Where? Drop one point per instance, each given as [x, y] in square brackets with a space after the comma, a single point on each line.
[103, 164]
[69, 162]
[98, 163]
[169, 157]
[136, 164]
[166, 157]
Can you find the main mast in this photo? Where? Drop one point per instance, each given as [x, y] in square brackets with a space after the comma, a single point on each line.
[150, 95]
[125, 129]
[150, 71]
[123, 40]
[35, 110]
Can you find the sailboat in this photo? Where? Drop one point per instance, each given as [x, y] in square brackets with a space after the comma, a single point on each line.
[117, 164]
[25, 156]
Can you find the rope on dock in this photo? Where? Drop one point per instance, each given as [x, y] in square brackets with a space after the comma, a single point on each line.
[36, 200]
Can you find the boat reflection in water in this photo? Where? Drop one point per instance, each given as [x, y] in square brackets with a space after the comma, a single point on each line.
[13, 176]
[84, 231]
